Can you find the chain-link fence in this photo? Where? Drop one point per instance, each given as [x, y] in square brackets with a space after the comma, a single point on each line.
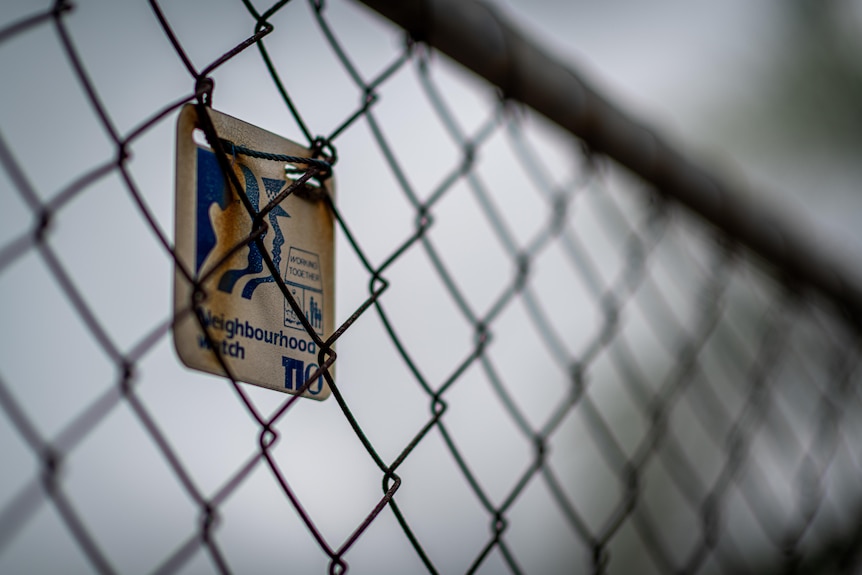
[544, 362]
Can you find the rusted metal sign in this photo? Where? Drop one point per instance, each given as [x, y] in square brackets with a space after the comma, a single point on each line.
[260, 200]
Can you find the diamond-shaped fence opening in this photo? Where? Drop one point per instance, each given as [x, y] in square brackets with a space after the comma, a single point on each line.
[559, 346]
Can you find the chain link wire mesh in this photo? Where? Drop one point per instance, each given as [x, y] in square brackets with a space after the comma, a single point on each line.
[544, 364]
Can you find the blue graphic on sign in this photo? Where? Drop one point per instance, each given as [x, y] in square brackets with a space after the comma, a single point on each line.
[303, 278]
[296, 373]
[212, 190]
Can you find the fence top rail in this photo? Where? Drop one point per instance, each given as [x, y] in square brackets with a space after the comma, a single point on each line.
[478, 37]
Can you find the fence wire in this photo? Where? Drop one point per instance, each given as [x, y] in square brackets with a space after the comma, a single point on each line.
[544, 364]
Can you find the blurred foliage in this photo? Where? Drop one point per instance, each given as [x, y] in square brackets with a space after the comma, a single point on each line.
[811, 95]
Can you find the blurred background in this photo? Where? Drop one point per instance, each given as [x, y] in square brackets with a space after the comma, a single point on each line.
[764, 92]
[691, 416]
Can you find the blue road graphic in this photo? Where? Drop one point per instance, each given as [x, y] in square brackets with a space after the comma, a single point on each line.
[212, 190]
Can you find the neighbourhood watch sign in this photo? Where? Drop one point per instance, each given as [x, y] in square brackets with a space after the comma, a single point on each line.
[240, 317]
